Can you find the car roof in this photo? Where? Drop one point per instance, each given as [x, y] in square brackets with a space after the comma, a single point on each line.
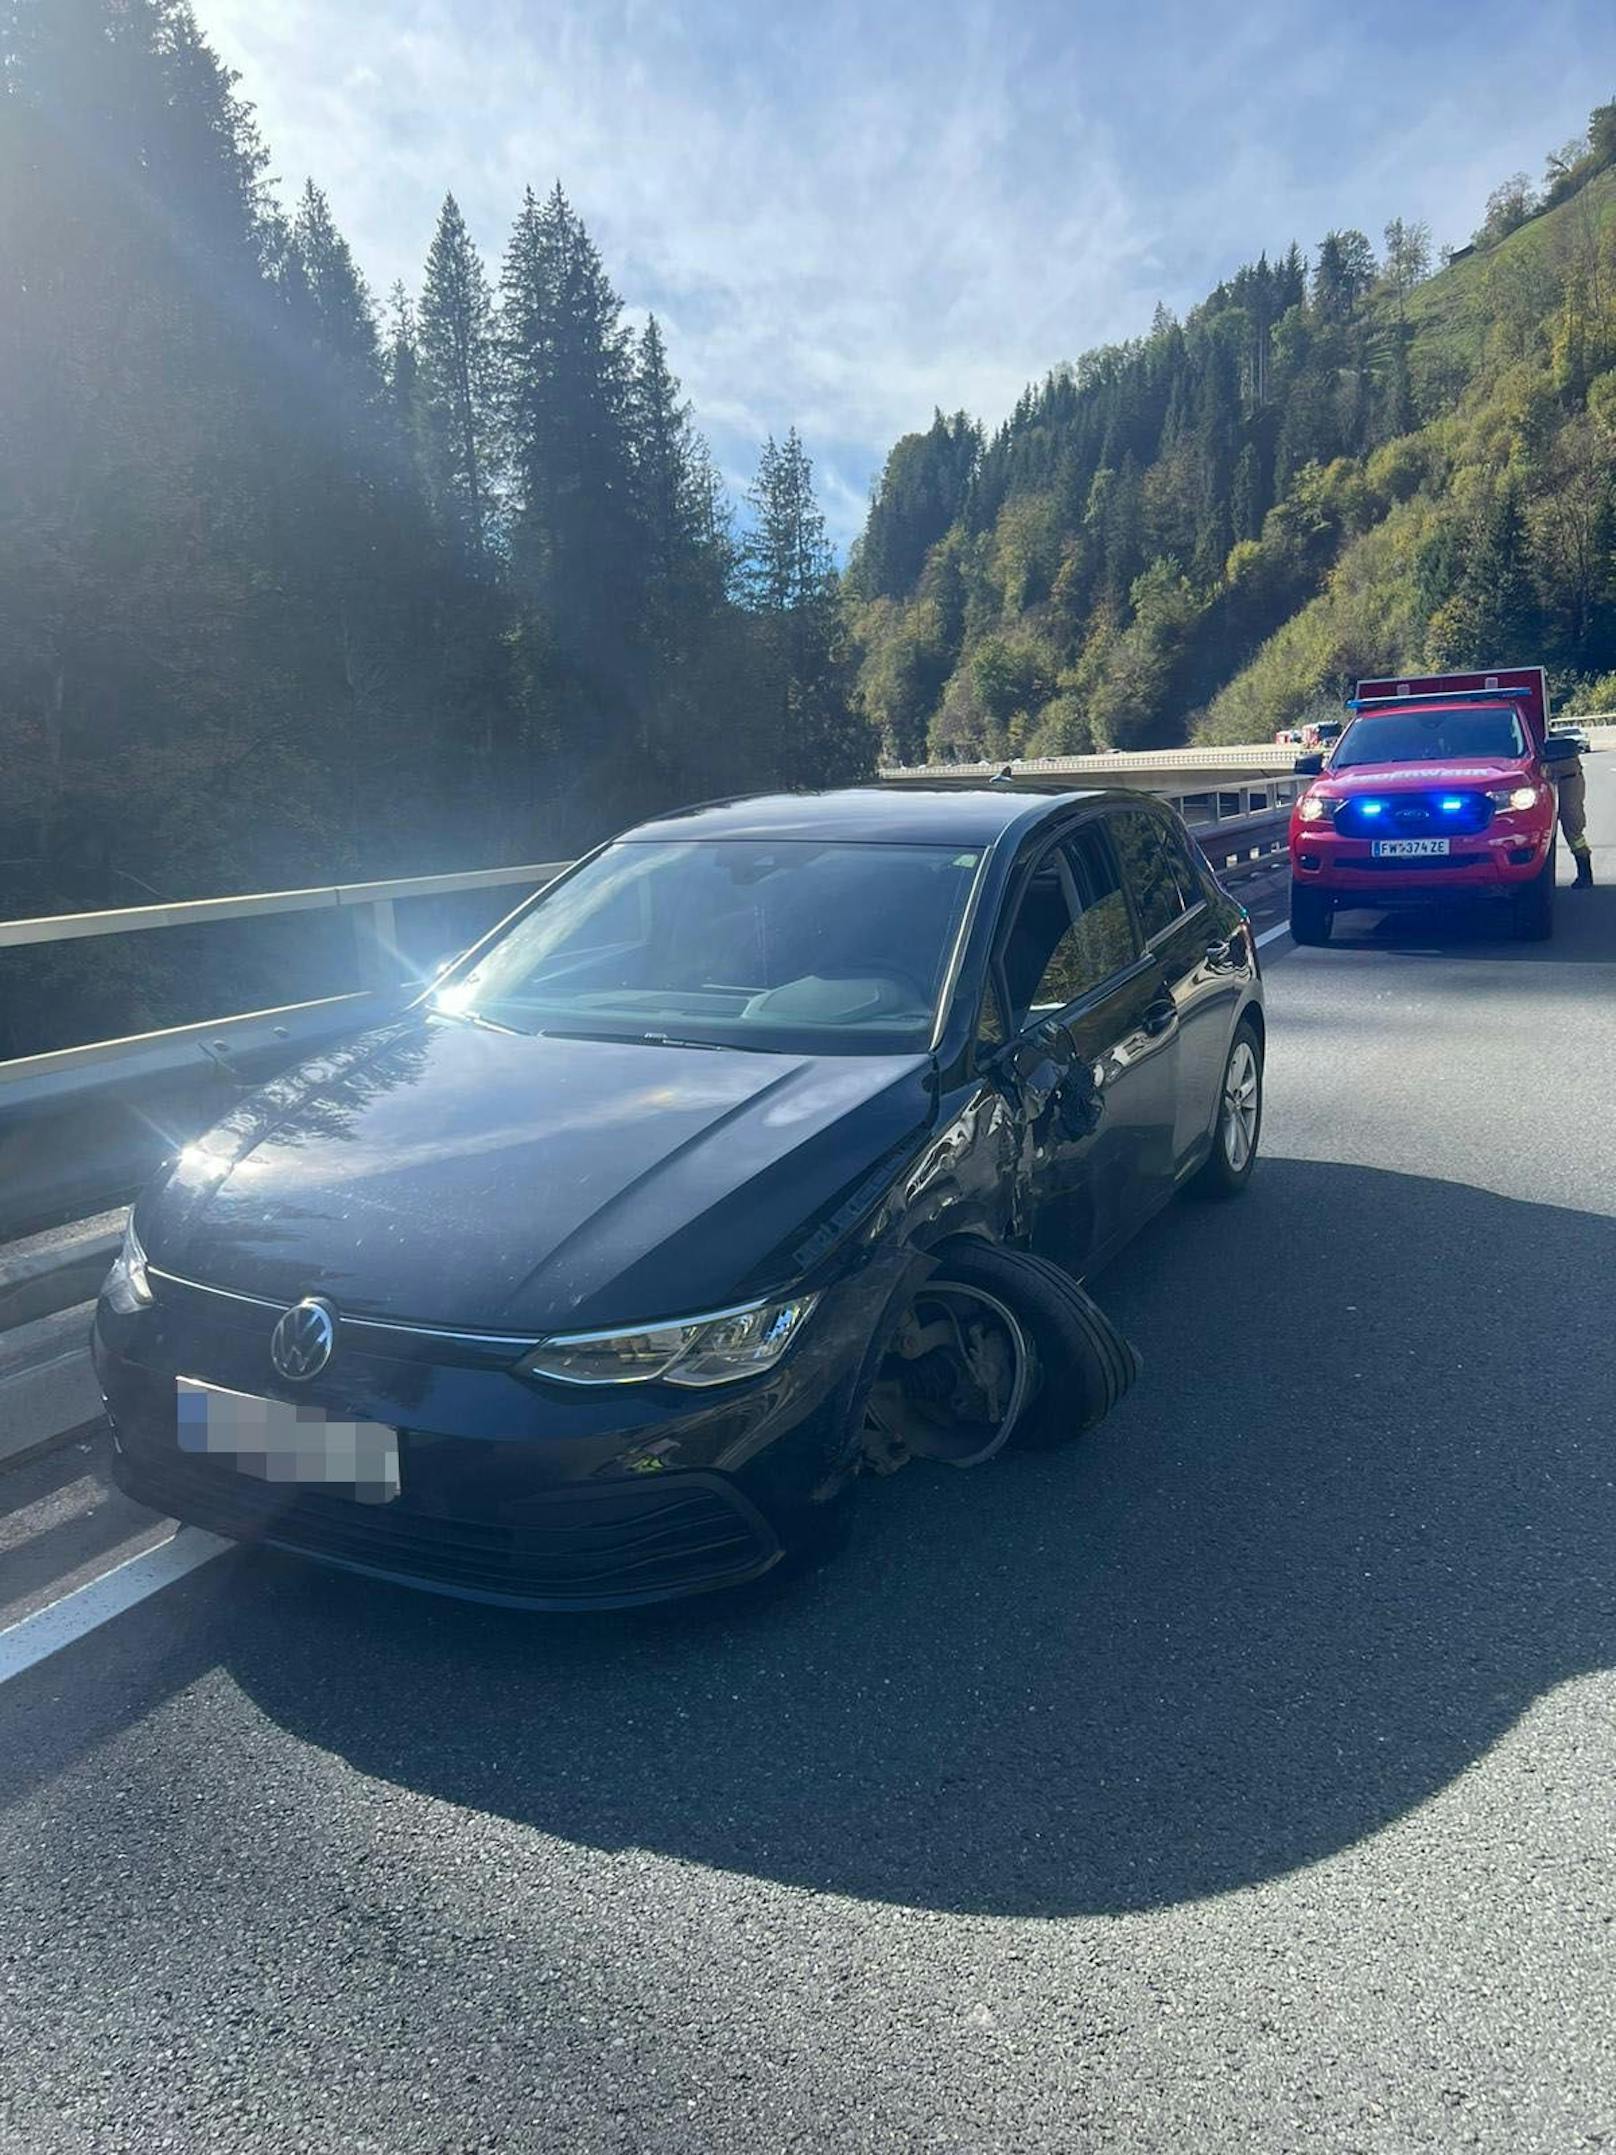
[868, 815]
[1436, 706]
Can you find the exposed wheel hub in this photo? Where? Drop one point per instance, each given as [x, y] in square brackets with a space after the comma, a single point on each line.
[953, 1381]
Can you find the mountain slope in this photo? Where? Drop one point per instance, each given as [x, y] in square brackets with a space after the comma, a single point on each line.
[1216, 526]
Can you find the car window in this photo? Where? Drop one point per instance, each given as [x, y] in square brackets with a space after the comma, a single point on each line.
[1104, 931]
[1190, 867]
[1071, 933]
[1157, 869]
[1420, 736]
[790, 945]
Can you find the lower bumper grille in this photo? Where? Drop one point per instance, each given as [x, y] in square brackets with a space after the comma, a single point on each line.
[588, 1547]
[1416, 864]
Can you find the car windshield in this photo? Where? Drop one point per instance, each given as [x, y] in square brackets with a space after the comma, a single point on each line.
[788, 945]
[1428, 736]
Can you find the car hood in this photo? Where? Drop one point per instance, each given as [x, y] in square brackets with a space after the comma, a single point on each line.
[436, 1172]
[1421, 777]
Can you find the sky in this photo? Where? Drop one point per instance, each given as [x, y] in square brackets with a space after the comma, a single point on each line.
[847, 214]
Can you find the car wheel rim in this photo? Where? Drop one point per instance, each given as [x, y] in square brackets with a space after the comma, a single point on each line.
[956, 1379]
[1241, 1098]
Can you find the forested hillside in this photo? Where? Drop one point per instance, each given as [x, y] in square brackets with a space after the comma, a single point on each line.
[1330, 467]
[293, 587]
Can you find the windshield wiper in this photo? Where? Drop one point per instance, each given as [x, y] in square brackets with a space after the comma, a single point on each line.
[474, 1017]
[639, 1040]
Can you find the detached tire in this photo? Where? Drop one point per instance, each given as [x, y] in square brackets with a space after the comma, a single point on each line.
[1312, 916]
[1084, 1365]
[1533, 905]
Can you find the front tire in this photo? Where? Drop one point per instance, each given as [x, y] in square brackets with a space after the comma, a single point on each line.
[1228, 1167]
[1312, 916]
[1533, 905]
[1067, 1365]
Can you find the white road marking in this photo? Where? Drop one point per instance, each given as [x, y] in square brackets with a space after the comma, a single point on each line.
[1270, 935]
[34, 1638]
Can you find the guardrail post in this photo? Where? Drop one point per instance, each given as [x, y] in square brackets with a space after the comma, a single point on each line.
[376, 945]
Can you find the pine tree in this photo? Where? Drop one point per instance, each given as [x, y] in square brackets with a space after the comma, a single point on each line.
[1217, 428]
[789, 576]
[675, 491]
[922, 489]
[1394, 411]
[458, 383]
[1495, 617]
[402, 365]
[1342, 275]
[1246, 503]
[787, 562]
[564, 366]
[328, 295]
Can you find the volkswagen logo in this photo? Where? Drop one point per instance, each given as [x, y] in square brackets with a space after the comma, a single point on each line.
[300, 1345]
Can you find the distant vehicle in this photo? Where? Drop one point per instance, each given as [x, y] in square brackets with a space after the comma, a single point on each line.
[1572, 730]
[1437, 787]
[1288, 737]
[767, 1145]
[1322, 732]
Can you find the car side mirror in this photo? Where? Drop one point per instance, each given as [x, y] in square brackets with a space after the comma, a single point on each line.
[1558, 750]
[1310, 765]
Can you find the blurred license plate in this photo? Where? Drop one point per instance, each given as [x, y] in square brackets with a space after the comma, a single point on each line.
[277, 1442]
[1394, 849]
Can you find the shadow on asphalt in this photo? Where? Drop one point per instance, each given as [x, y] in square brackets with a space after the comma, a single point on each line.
[1584, 930]
[1354, 1519]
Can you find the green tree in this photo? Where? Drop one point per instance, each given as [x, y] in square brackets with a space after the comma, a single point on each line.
[577, 568]
[1494, 616]
[1509, 206]
[922, 490]
[789, 577]
[1343, 273]
[1246, 494]
[1407, 261]
[328, 296]
[458, 384]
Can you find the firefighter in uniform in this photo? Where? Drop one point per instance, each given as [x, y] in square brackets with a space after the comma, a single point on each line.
[1571, 795]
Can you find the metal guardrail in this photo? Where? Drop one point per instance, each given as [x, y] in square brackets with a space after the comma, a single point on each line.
[1107, 768]
[58, 1072]
[376, 899]
[1242, 844]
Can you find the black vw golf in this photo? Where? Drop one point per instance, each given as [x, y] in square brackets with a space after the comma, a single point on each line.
[765, 1147]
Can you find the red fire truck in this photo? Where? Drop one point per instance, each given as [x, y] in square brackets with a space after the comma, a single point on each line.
[1437, 787]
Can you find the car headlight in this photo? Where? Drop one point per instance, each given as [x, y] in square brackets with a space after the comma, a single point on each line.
[1314, 807]
[1516, 797]
[715, 1349]
[127, 1288]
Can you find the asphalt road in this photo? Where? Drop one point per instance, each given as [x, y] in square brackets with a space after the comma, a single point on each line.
[1245, 1777]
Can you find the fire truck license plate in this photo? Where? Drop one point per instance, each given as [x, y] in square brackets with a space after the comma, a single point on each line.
[1395, 849]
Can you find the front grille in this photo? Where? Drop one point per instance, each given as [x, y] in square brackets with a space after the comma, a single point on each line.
[615, 1542]
[1414, 815]
[222, 1309]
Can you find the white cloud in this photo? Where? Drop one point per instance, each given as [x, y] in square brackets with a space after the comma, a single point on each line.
[848, 215]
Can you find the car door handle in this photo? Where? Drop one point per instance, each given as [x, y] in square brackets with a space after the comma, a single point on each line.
[1159, 1016]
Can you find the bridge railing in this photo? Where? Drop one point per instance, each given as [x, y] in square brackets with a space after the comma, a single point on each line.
[379, 965]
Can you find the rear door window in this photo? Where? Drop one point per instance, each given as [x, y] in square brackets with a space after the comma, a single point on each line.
[1072, 931]
[1157, 867]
